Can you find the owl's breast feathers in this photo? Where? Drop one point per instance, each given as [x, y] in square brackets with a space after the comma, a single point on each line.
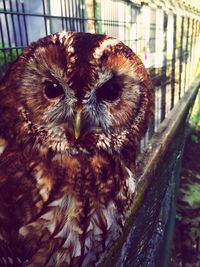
[61, 212]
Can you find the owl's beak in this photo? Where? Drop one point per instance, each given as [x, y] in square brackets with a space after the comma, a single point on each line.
[77, 123]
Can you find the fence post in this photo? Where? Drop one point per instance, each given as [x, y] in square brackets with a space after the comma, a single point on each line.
[89, 5]
[173, 63]
[164, 69]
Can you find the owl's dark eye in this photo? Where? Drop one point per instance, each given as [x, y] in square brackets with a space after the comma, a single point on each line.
[110, 91]
[53, 90]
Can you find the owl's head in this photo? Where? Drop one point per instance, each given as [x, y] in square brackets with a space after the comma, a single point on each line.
[76, 93]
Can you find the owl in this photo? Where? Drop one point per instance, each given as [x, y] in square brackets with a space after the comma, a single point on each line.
[74, 107]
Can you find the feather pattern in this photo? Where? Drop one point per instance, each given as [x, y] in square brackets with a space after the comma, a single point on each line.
[74, 106]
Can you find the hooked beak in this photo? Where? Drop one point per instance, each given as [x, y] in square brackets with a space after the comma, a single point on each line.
[77, 123]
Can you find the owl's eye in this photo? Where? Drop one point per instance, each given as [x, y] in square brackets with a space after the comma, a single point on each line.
[53, 90]
[110, 91]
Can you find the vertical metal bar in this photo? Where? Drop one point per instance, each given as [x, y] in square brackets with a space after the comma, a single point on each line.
[73, 17]
[195, 45]
[78, 18]
[3, 42]
[125, 22]
[25, 26]
[163, 71]
[192, 36]
[111, 24]
[8, 33]
[62, 15]
[186, 53]
[13, 26]
[152, 36]
[70, 19]
[78, 8]
[196, 51]
[66, 17]
[45, 19]
[137, 31]
[83, 15]
[181, 57]
[107, 21]
[172, 212]
[190, 52]
[95, 16]
[19, 24]
[101, 28]
[173, 62]
[152, 126]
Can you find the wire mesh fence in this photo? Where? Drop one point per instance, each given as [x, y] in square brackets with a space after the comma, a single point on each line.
[166, 38]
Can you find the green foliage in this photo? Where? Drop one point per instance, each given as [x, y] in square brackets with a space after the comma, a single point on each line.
[195, 115]
[8, 55]
[192, 195]
[196, 118]
[195, 138]
[198, 69]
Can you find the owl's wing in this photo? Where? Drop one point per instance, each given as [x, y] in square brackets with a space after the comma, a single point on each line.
[8, 223]
[7, 258]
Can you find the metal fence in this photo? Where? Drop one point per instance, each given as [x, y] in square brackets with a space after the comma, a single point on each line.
[165, 35]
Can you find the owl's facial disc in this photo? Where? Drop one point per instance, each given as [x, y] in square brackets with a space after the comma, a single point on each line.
[83, 92]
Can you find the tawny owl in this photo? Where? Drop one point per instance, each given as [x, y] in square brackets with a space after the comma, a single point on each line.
[73, 108]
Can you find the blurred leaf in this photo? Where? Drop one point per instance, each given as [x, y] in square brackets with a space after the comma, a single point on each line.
[194, 138]
[192, 196]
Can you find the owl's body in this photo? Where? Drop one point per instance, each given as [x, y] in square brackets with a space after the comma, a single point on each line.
[73, 109]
